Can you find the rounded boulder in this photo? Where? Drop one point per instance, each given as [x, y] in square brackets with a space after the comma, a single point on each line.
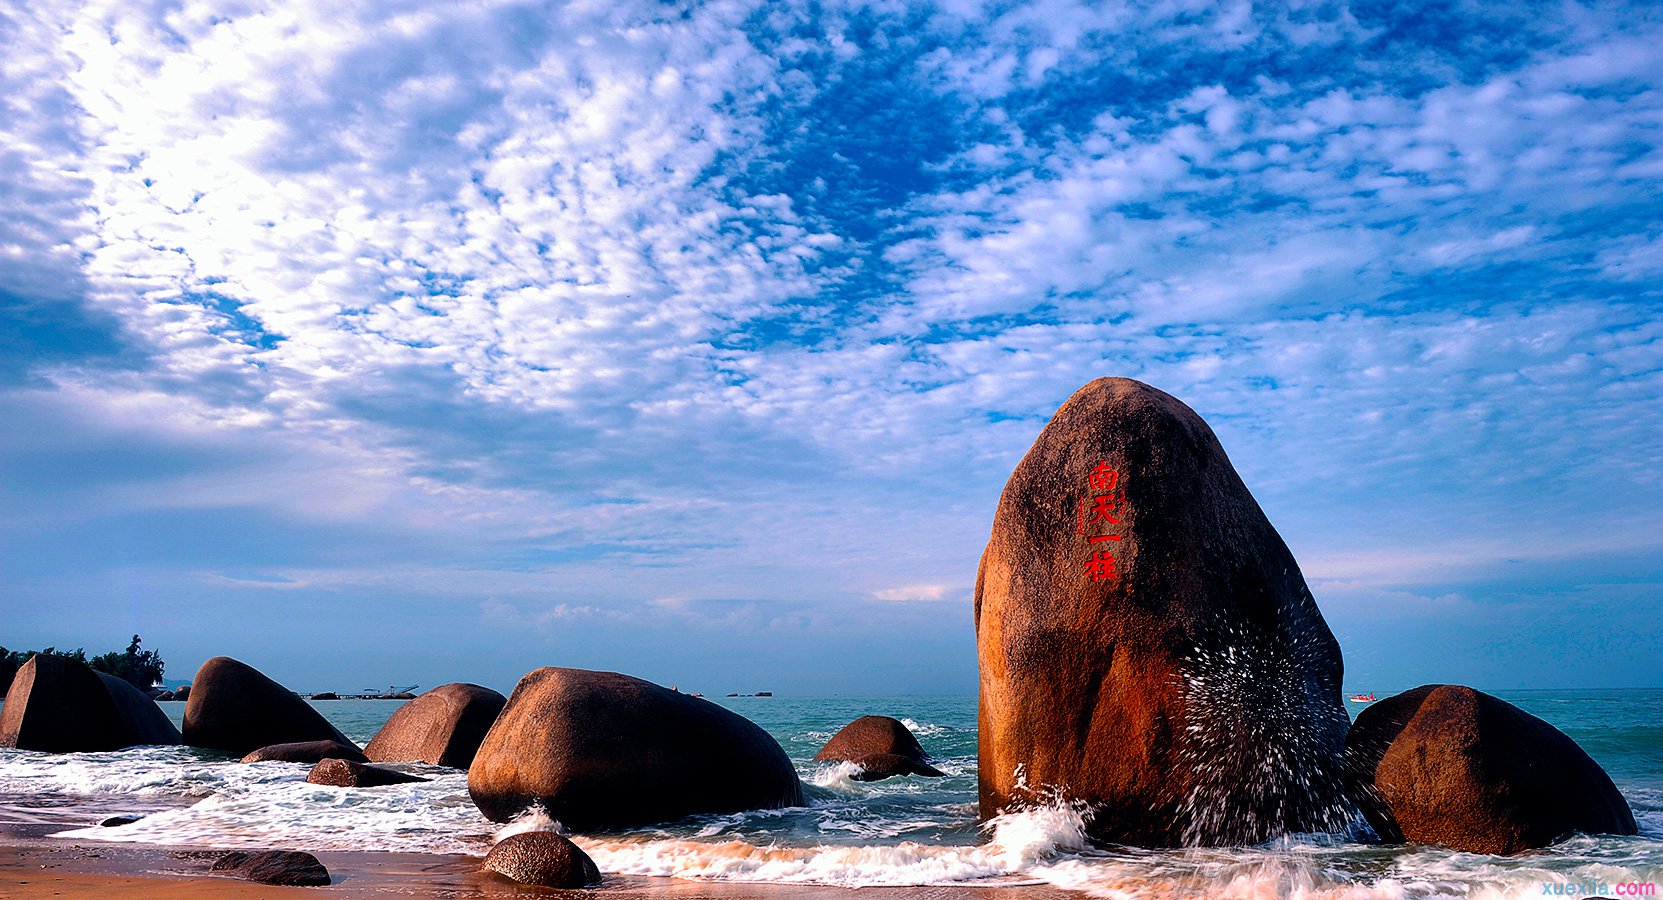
[882, 746]
[1145, 640]
[542, 858]
[235, 708]
[1448, 765]
[443, 727]
[280, 867]
[600, 750]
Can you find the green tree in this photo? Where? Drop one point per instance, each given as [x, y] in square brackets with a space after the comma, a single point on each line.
[12, 660]
[140, 668]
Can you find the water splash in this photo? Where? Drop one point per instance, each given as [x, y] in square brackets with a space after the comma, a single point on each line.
[1262, 740]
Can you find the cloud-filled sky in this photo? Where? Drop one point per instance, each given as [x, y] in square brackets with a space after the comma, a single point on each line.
[407, 342]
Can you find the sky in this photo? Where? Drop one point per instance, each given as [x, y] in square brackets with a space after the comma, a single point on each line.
[406, 343]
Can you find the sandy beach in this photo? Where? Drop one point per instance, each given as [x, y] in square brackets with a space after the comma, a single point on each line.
[34, 865]
[31, 868]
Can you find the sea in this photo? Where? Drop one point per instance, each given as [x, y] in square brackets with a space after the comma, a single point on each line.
[902, 831]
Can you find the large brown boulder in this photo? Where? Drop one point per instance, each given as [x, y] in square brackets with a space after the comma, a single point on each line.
[1445, 764]
[234, 708]
[600, 750]
[1146, 642]
[883, 747]
[60, 705]
[443, 727]
[542, 857]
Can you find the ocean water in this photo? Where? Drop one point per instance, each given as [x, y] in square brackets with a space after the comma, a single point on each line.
[903, 831]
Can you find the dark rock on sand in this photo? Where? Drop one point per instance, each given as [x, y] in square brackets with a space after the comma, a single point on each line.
[882, 746]
[115, 821]
[1146, 642]
[1445, 764]
[443, 727]
[306, 752]
[284, 867]
[60, 705]
[346, 773]
[543, 858]
[235, 708]
[599, 749]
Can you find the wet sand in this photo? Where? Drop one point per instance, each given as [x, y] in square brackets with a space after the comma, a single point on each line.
[33, 865]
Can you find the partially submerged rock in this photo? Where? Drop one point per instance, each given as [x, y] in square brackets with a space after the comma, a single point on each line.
[306, 752]
[282, 867]
[881, 746]
[442, 727]
[234, 708]
[600, 749]
[346, 773]
[1146, 642]
[1448, 765]
[60, 705]
[543, 858]
[139, 715]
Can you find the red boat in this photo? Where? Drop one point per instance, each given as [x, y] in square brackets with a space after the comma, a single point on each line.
[1362, 698]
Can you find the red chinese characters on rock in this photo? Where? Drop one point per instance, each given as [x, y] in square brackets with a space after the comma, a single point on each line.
[1099, 521]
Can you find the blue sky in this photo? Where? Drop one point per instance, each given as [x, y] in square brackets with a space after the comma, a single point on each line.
[409, 342]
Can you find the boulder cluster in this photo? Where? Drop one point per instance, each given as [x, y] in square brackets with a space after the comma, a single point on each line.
[1148, 649]
[592, 749]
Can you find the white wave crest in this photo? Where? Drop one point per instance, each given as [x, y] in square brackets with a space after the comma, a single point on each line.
[1017, 840]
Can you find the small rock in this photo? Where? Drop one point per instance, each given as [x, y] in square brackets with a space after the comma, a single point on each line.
[542, 858]
[326, 695]
[882, 746]
[305, 752]
[346, 773]
[113, 821]
[878, 766]
[285, 867]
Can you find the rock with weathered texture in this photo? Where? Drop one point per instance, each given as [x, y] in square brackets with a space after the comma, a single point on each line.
[281, 867]
[346, 773]
[542, 858]
[1445, 764]
[234, 708]
[305, 752]
[1146, 642]
[60, 705]
[882, 746]
[599, 750]
[443, 727]
[139, 715]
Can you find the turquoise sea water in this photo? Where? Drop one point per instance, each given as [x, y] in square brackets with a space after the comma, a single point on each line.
[899, 831]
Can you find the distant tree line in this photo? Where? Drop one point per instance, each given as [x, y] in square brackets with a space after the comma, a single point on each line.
[140, 668]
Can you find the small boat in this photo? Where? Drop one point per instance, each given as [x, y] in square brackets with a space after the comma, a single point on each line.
[1362, 698]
